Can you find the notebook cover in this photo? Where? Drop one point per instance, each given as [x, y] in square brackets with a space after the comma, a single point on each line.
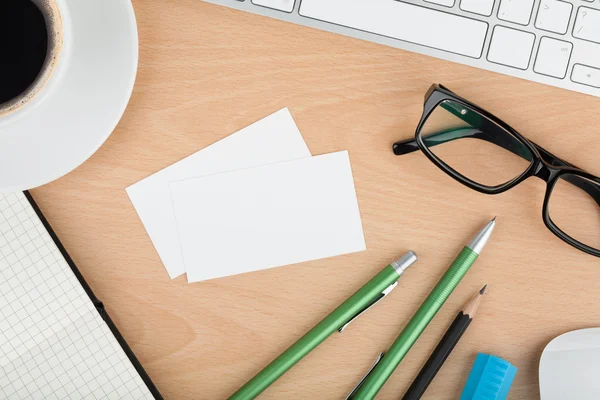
[97, 303]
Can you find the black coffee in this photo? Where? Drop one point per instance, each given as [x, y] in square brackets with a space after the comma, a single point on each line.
[23, 46]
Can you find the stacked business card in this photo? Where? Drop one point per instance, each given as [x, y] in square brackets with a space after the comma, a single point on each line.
[256, 199]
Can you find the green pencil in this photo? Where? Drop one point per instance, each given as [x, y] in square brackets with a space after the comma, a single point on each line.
[379, 374]
[367, 296]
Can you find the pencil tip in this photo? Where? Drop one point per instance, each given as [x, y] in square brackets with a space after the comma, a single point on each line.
[482, 291]
[494, 220]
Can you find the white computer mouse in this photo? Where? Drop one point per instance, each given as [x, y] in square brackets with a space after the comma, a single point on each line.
[570, 366]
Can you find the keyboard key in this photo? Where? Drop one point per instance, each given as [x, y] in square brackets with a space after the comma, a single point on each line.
[517, 11]
[481, 7]
[511, 47]
[587, 24]
[553, 57]
[554, 16]
[586, 75]
[283, 5]
[404, 21]
[447, 3]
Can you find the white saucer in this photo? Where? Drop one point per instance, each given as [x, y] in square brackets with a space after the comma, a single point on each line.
[83, 101]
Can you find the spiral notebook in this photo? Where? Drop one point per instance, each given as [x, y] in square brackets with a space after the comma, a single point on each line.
[56, 339]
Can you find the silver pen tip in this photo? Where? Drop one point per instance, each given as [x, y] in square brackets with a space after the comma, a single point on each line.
[481, 239]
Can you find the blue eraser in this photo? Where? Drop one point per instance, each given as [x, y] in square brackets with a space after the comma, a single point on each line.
[490, 379]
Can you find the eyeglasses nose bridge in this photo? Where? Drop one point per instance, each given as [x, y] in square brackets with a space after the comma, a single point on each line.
[545, 172]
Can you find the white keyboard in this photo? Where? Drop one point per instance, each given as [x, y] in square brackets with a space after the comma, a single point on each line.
[548, 41]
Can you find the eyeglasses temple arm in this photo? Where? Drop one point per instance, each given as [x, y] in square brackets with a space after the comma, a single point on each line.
[478, 125]
[434, 139]
[405, 147]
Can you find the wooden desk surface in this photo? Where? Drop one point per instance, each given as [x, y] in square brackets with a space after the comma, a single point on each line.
[207, 71]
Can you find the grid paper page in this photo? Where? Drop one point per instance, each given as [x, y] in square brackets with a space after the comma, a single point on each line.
[53, 342]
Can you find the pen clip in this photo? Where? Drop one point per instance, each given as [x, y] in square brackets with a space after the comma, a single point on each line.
[380, 297]
[364, 378]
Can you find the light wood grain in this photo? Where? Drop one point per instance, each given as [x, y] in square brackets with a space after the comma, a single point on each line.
[207, 71]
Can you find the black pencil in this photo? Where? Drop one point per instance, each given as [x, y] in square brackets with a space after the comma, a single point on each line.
[444, 348]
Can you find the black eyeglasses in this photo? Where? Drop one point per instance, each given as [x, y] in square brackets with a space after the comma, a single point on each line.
[500, 158]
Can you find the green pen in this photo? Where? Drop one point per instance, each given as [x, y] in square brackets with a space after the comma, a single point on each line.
[366, 297]
[372, 383]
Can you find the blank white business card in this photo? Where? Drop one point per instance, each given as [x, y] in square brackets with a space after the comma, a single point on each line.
[268, 216]
[270, 140]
